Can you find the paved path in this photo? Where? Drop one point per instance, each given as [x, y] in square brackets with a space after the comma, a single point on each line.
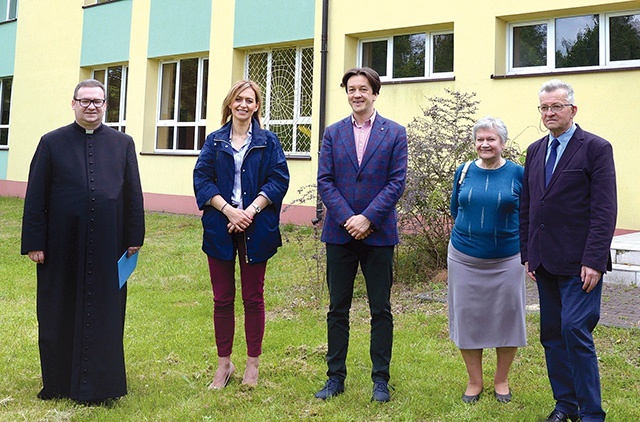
[620, 304]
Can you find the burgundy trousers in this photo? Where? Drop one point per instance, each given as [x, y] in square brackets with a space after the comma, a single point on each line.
[224, 294]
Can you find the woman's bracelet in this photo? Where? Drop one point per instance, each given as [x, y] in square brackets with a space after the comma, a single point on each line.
[225, 204]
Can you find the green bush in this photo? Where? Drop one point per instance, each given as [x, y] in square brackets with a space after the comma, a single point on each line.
[438, 142]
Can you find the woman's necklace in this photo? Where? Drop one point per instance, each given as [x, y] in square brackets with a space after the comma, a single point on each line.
[238, 139]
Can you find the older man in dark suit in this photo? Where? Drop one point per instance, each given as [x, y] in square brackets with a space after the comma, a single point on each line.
[567, 218]
[361, 176]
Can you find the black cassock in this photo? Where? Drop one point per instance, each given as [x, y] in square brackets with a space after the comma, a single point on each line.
[83, 208]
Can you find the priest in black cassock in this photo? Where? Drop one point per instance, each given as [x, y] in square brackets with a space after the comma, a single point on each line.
[83, 209]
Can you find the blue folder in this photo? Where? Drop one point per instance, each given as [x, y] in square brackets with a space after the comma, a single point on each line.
[126, 267]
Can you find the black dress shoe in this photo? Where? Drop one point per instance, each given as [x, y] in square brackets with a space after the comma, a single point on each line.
[471, 399]
[503, 398]
[331, 388]
[559, 416]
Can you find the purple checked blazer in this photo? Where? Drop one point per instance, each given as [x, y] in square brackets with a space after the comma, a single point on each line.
[371, 189]
[571, 222]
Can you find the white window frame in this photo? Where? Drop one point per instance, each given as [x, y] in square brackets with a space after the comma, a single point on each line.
[603, 45]
[121, 124]
[199, 121]
[428, 71]
[297, 119]
[93, 2]
[5, 126]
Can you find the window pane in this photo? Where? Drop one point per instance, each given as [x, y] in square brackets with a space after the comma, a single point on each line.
[285, 134]
[202, 136]
[624, 37]
[126, 84]
[186, 138]
[443, 53]
[168, 91]
[13, 9]
[114, 84]
[303, 138]
[188, 90]
[408, 55]
[205, 88]
[5, 104]
[4, 136]
[283, 77]
[306, 94]
[257, 70]
[165, 138]
[374, 55]
[98, 75]
[577, 42]
[530, 45]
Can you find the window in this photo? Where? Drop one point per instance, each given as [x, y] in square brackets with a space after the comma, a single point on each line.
[285, 76]
[92, 2]
[8, 10]
[586, 41]
[183, 105]
[5, 109]
[410, 56]
[114, 79]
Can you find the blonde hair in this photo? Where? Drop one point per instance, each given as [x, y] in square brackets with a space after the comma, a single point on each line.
[235, 90]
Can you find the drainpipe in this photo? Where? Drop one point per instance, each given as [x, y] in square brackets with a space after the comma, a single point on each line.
[323, 97]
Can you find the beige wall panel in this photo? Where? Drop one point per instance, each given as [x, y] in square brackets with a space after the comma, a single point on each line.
[46, 72]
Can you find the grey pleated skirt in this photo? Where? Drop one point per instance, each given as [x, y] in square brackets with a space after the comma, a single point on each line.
[487, 299]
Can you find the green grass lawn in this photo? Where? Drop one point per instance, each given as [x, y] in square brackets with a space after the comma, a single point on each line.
[171, 355]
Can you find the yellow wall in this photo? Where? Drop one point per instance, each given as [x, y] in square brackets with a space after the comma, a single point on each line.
[608, 102]
[38, 105]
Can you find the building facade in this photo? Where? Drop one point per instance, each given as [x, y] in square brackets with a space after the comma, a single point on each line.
[168, 64]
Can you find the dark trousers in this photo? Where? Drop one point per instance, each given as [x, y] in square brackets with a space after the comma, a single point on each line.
[377, 267]
[568, 316]
[224, 294]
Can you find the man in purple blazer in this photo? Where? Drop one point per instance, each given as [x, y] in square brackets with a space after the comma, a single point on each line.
[361, 176]
[568, 214]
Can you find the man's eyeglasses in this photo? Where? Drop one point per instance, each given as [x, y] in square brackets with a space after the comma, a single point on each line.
[84, 102]
[556, 108]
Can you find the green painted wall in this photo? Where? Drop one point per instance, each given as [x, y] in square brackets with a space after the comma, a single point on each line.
[4, 159]
[106, 33]
[7, 47]
[179, 27]
[260, 22]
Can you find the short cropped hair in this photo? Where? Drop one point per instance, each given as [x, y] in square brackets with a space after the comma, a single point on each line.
[89, 83]
[371, 75]
[555, 84]
[492, 123]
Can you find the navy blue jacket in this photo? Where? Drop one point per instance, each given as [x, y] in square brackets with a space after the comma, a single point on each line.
[571, 222]
[264, 169]
[371, 189]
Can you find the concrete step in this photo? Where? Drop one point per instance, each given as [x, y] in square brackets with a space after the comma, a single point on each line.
[625, 255]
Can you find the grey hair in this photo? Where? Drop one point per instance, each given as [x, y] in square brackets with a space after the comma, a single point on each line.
[555, 84]
[492, 123]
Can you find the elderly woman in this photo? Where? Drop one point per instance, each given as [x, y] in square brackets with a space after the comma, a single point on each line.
[240, 180]
[486, 279]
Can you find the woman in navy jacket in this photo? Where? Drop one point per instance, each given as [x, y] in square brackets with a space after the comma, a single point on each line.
[240, 180]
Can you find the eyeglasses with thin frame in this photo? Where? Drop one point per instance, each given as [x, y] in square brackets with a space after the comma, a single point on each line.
[85, 102]
[556, 108]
